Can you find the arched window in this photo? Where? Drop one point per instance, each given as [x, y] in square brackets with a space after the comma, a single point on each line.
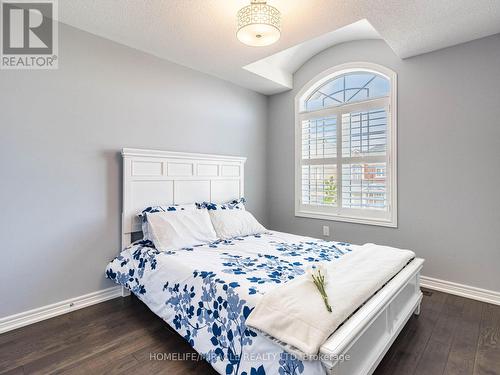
[346, 145]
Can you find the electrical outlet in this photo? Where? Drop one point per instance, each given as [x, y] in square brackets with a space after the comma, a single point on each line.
[326, 230]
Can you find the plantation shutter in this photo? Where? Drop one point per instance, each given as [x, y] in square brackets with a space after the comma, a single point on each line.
[319, 152]
[364, 164]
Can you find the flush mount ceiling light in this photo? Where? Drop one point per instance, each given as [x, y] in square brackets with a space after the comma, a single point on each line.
[259, 24]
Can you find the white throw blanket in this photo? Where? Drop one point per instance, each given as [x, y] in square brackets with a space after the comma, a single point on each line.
[295, 313]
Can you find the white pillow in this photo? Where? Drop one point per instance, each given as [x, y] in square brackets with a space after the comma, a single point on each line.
[234, 223]
[149, 210]
[178, 229]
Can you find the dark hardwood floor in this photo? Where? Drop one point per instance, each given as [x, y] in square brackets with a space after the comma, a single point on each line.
[452, 335]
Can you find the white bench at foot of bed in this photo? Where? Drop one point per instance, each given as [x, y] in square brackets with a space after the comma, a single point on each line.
[359, 345]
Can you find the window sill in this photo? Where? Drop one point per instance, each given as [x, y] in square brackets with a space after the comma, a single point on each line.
[347, 219]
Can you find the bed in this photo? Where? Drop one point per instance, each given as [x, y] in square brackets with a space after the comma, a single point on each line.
[207, 292]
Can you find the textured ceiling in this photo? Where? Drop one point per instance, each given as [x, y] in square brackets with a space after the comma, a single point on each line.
[201, 33]
[280, 67]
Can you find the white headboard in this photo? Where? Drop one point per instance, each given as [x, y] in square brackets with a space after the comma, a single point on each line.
[152, 177]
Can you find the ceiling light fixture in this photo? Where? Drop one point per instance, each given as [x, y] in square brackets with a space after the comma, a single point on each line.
[259, 24]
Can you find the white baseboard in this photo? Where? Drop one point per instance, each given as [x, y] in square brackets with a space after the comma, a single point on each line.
[462, 290]
[11, 322]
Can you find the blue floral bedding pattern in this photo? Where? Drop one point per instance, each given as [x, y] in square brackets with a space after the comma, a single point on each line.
[173, 207]
[236, 204]
[207, 292]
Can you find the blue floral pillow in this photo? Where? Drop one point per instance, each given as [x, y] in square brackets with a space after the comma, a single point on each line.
[236, 204]
[153, 209]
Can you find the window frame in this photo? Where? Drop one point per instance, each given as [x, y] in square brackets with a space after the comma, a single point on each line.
[361, 216]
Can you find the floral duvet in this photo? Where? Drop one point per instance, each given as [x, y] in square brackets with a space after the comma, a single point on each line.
[207, 292]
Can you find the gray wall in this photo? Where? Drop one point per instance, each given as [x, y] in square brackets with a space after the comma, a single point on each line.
[449, 158]
[60, 173]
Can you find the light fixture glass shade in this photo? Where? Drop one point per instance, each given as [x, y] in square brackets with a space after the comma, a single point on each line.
[259, 24]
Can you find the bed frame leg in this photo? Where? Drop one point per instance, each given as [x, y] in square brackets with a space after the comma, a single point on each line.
[417, 309]
[125, 292]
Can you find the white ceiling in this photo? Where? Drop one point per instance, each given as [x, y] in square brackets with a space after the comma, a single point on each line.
[201, 33]
[280, 67]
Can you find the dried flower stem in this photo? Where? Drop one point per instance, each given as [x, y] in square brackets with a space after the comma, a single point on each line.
[319, 281]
